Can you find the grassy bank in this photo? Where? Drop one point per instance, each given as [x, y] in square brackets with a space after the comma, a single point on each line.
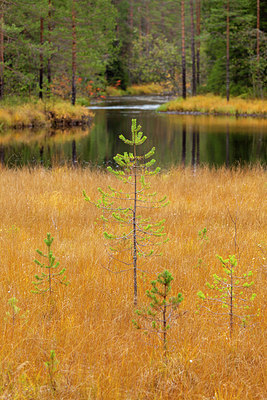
[38, 114]
[137, 90]
[217, 105]
[88, 324]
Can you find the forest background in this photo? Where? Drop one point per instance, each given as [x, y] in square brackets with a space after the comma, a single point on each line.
[76, 48]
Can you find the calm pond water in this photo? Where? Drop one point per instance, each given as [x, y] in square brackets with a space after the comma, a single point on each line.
[179, 139]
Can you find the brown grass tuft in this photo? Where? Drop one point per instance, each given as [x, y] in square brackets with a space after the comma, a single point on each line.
[88, 324]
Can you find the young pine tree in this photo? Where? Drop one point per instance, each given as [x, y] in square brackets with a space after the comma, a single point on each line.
[229, 295]
[44, 281]
[137, 234]
[156, 318]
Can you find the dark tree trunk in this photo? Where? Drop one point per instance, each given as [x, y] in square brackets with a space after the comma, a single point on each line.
[131, 15]
[258, 31]
[227, 146]
[74, 44]
[183, 51]
[227, 51]
[74, 154]
[198, 10]
[184, 145]
[49, 42]
[1, 54]
[198, 149]
[41, 76]
[193, 160]
[193, 55]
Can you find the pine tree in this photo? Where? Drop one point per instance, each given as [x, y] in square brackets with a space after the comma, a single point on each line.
[137, 234]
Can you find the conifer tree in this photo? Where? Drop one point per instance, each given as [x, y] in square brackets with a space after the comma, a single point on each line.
[156, 318]
[137, 234]
[44, 281]
[229, 294]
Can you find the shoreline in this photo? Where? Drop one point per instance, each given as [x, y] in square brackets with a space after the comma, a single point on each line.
[215, 114]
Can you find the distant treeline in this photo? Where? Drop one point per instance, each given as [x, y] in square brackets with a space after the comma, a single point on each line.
[76, 48]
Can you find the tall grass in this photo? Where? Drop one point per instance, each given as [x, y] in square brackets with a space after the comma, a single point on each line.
[217, 105]
[137, 90]
[88, 324]
[36, 114]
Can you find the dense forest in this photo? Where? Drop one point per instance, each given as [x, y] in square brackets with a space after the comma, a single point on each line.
[79, 47]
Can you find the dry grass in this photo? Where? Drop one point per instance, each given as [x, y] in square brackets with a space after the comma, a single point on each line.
[88, 324]
[149, 88]
[217, 105]
[39, 114]
[137, 90]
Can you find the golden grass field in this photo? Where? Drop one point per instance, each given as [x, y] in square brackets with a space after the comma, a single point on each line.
[88, 323]
[36, 114]
[212, 104]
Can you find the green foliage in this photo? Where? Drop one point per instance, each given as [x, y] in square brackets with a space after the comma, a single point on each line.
[137, 234]
[15, 311]
[153, 60]
[156, 318]
[44, 281]
[228, 294]
[51, 366]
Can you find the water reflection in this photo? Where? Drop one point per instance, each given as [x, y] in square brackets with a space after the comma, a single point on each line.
[179, 139]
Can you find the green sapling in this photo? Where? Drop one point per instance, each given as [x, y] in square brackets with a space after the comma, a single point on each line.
[229, 295]
[136, 234]
[51, 366]
[156, 318]
[44, 281]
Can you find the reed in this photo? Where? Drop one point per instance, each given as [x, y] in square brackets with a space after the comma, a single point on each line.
[38, 114]
[146, 89]
[211, 104]
[88, 326]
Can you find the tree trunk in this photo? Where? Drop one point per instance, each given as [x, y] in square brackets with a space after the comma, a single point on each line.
[227, 51]
[183, 51]
[183, 145]
[41, 58]
[258, 31]
[74, 44]
[198, 11]
[49, 42]
[1, 54]
[193, 55]
[131, 15]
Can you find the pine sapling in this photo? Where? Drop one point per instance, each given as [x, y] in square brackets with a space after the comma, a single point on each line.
[136, 234]
[14, 314]
[156, 318]
[229, 295]
[51, 366]
[44, 281]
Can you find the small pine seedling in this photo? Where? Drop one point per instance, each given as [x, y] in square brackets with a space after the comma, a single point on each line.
[157, 316]
[44, 281]
[51, 366]
[15, 311]
[137, 234]
[230, 293]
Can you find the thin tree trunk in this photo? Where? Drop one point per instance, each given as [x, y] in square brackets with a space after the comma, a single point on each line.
[41, 58]
[74, 44]
[131, 14]
[49, 42]
[1, 53]
[184, 145]
[193, 55]
[258, 31]
[198, 11]
[183, 51]
[227, 52]
[134, 227]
